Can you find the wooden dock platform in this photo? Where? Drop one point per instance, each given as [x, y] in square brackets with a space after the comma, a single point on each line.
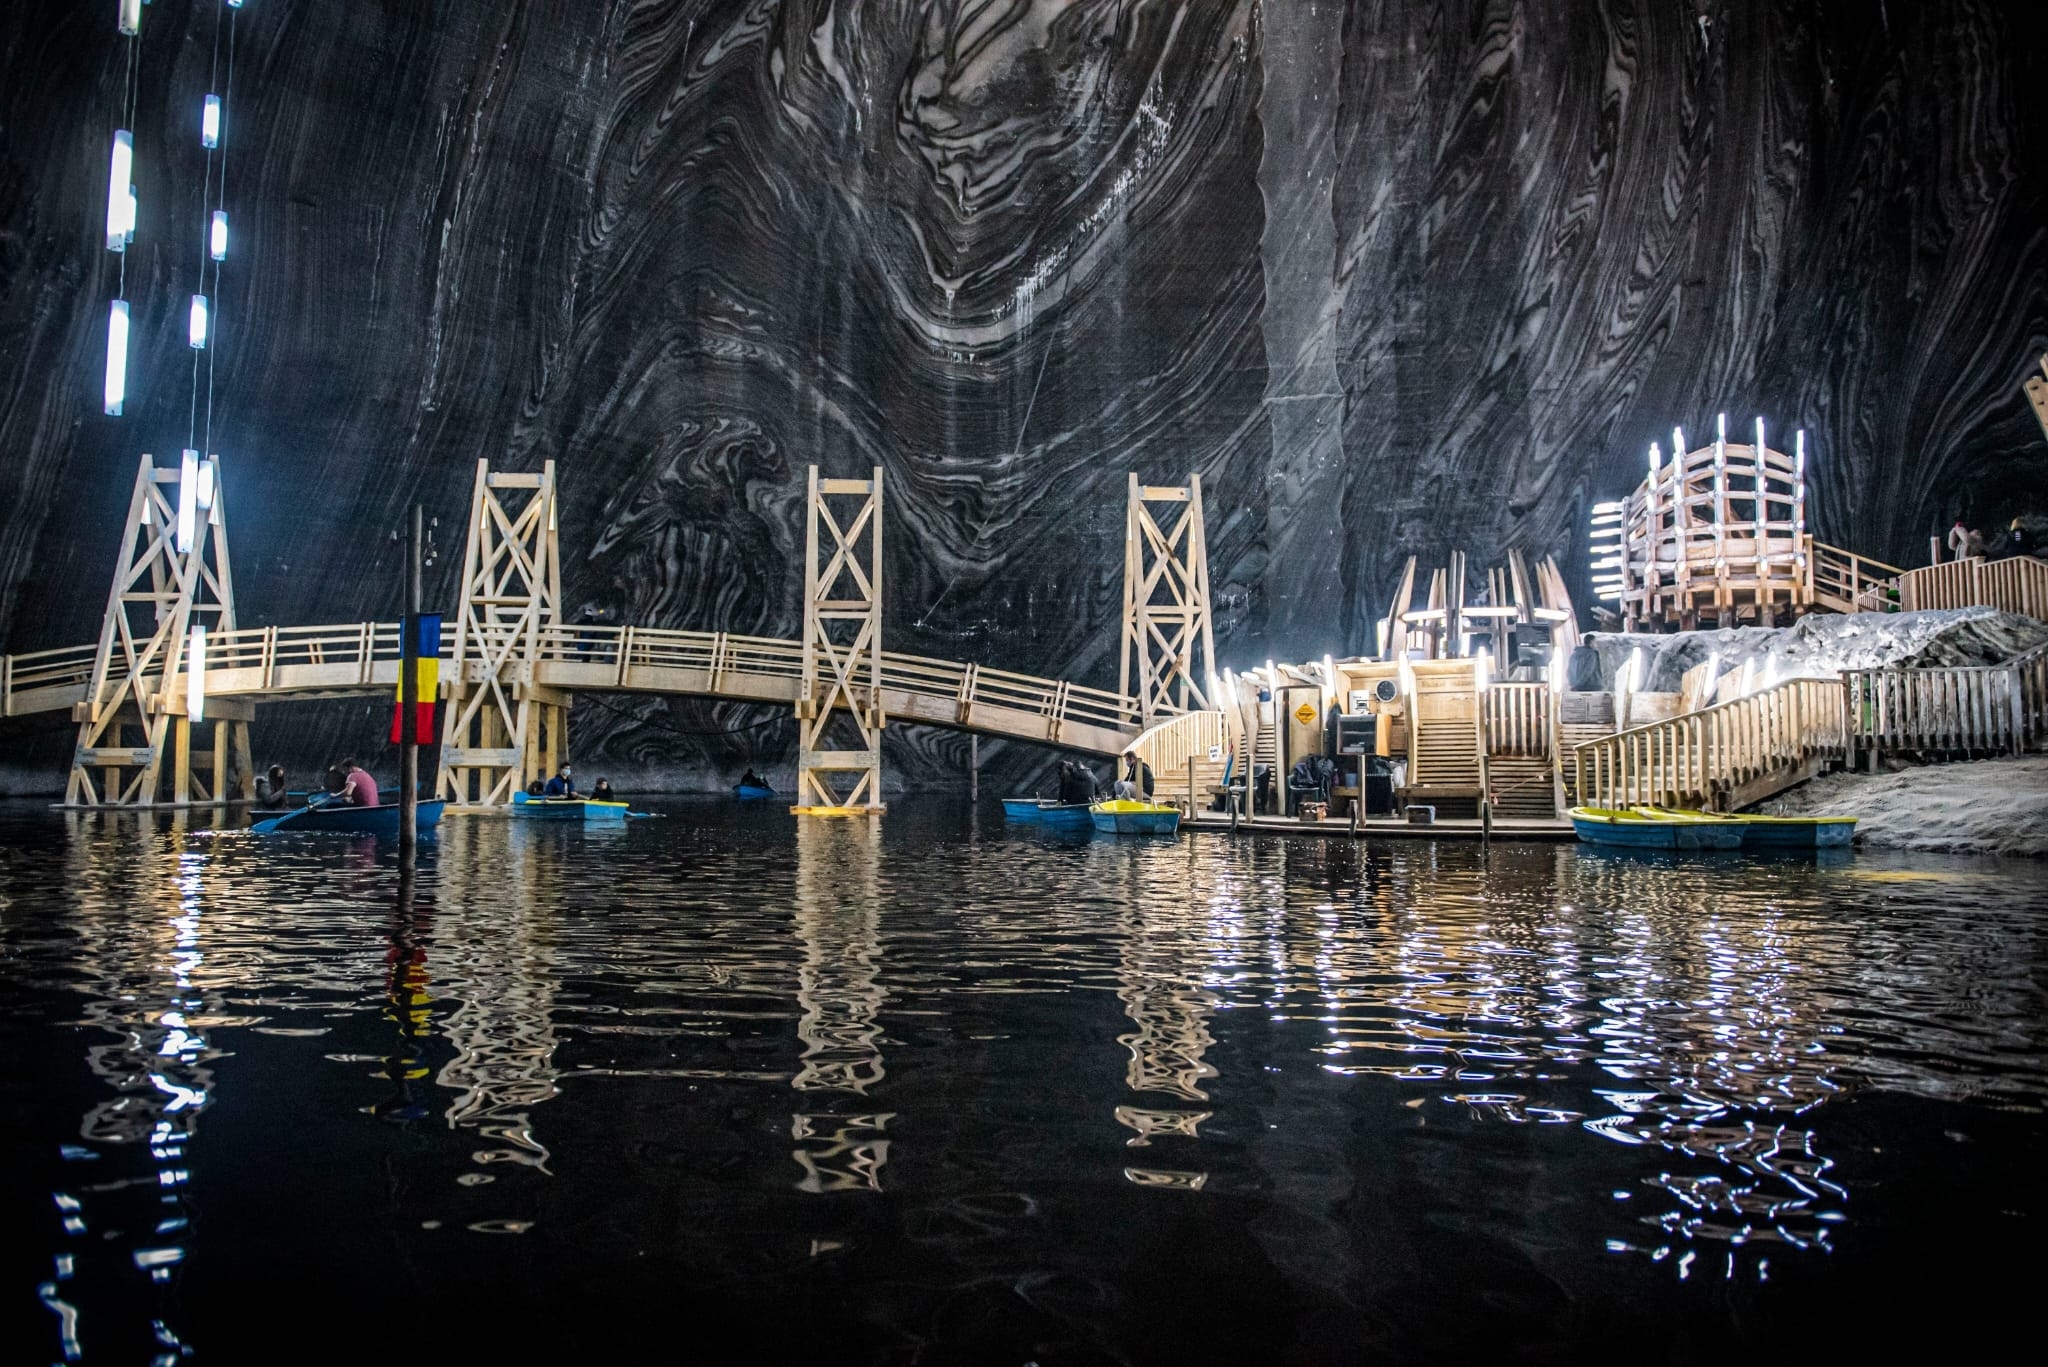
[1380, 828]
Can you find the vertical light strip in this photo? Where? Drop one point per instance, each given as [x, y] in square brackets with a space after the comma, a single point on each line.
[197, 331]
[217, 239]
[121, 191]
[209, 122]
[117, 357]
[195, 677]
[131, 17]
[188, 499]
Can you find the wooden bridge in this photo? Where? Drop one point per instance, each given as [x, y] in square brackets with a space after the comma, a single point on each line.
[172, 664]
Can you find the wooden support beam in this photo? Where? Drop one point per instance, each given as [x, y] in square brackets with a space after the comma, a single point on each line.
[842, 649]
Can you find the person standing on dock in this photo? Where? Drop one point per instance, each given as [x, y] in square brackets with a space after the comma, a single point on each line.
[358, 789]
[1136, 784]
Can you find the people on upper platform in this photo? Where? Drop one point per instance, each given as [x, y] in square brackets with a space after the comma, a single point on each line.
[358, 788]
[563, 784]
[1964, 541]
[602, 791]
[2020, 540]
[271, 794]
[1136, 783]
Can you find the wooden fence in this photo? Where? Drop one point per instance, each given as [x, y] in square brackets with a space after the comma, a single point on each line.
[1988, 710]
[2017, 584]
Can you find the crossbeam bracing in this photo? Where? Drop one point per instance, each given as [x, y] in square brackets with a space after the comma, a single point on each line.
[172, 574]
[1168, 653]
[842, 648]
[502, 729]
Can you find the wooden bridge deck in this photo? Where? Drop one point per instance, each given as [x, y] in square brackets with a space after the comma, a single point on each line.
[279, 664]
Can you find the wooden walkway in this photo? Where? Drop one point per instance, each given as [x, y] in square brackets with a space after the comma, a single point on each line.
[358, 659]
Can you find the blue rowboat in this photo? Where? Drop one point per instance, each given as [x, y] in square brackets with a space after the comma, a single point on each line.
[1021, 809]
[1779, 832]
[340, 820]
[566, 808]
[1644, 831]
[1066, 816]
[1123, 816]
[752, 792]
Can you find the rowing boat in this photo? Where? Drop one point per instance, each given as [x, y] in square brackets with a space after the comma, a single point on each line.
[336, 819]
[1777, 832]
[1642, 830]
[566, 808]
[752, 792]
[1124, 816]
[1021, 808]
[1069, 816]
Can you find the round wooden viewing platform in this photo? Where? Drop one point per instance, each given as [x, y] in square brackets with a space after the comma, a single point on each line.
[1718, 537]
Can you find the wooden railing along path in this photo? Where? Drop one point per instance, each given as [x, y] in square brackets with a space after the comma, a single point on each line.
[1982, 710]
[1722, 757]
[2017, 584]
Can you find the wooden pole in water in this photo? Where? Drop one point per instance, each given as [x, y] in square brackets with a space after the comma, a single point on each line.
[408, 698]
[974, 768]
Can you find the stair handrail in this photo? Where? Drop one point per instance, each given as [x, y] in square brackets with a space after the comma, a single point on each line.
[1701, 758]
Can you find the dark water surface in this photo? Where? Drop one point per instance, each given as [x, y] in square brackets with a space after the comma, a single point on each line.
[716, 1087]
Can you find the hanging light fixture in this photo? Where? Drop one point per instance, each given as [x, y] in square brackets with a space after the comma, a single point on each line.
[121, 192]
[188, 499]
[117, 357]
[195, 676]
[208, 475]
[217, 240]
[209, 122]
[131, 16]
[197, 331]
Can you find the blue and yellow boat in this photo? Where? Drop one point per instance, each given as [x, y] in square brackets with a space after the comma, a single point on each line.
[1774, 832]
[1123, 816]
[1634, 828]
[565, 808]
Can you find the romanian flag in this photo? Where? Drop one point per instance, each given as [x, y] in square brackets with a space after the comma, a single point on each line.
[426, 667]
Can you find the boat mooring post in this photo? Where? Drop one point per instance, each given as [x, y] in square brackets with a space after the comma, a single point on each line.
[408, 697]
[973, 768]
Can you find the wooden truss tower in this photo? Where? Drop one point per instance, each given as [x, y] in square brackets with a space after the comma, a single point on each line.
[1168, 653]
[502, 730]
[842, 650]
[172, 587]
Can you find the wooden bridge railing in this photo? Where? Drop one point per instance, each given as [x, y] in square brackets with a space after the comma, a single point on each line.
[1995, 709]
[313, 660]
[1720, 757]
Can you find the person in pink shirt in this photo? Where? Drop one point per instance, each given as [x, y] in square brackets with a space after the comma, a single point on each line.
[360, 790]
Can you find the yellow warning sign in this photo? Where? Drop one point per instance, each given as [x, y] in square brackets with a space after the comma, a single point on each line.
[1305, 714]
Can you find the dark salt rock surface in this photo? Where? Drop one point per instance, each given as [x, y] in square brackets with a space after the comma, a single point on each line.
[1394, 277]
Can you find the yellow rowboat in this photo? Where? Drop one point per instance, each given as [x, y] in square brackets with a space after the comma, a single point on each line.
[1638, 830]
[1125, 817]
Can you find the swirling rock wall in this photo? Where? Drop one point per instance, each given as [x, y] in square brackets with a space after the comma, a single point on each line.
[1394, 275]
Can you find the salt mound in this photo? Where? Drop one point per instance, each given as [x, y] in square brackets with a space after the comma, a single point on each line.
[1993, 806]
[1822, 645]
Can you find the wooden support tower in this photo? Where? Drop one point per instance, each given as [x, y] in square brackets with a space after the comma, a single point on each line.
[172, 583]
[502, 729]
[1168, 653]
[842, 661]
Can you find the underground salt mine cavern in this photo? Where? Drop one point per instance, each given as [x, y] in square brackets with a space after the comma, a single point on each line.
[1022, 681]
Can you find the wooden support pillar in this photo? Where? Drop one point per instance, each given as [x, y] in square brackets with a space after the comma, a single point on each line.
[842, 660]
[172, 574]
[1168, 655]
